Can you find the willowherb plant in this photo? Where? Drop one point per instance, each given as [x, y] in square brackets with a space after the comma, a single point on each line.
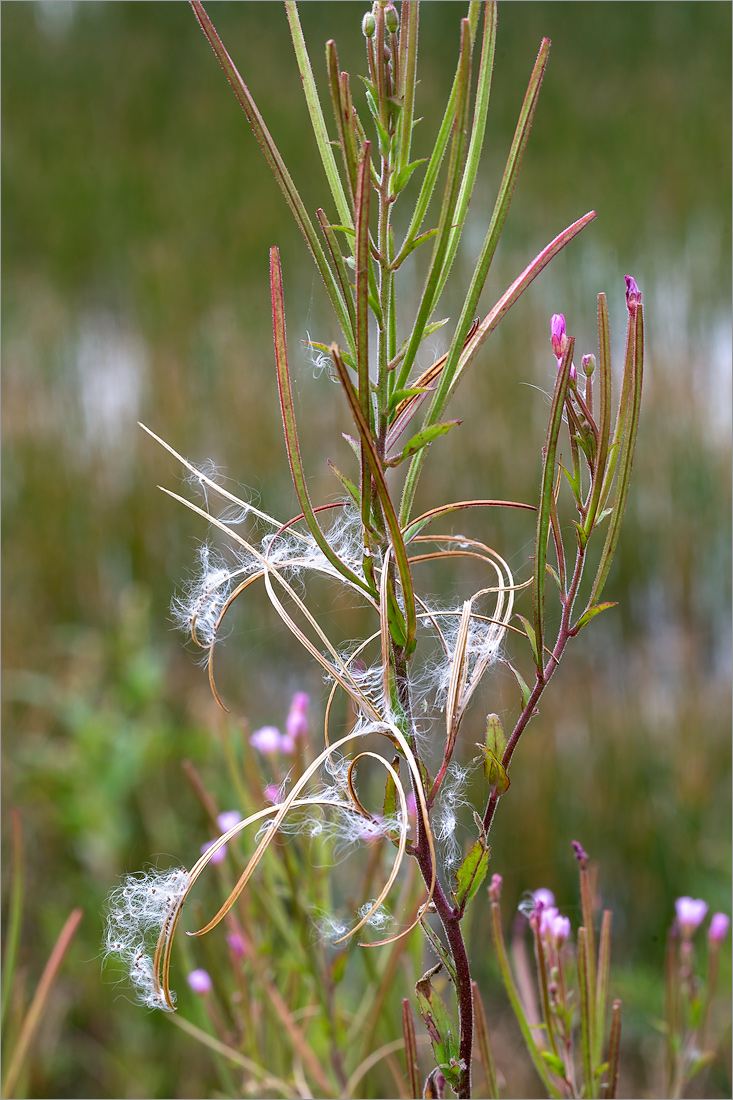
[372, 542]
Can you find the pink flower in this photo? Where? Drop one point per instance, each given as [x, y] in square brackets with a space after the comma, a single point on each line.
[228, 820]
[296, 724]
[718, 929]
[690, 915]
[272, 793]
[200, 982]
[219, 855]
[543, 896]
[267, 740]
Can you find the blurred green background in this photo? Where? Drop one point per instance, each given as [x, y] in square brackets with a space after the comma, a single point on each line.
[137, 217]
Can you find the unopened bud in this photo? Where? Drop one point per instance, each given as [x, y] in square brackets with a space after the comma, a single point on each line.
[580, 854]
[589, 365]
[368, 25]
[633, 294]
[391, 19]
[495, 887]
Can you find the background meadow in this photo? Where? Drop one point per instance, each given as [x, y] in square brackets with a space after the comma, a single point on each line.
[137, 216]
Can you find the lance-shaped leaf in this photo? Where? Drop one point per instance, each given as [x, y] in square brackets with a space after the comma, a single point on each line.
[636, 375]
[546, 497]
[523, 686]
[288, 418]
[422, 439]
[439, 1024]
[341, 273]
[408, 76]
[471, 874]
[277, 166]
[441, 142]
[529, 631]
[498, 218]
[452, 186]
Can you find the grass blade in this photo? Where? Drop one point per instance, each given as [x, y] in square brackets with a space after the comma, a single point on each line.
[15, 915]
[484, 1047]
[40, 998]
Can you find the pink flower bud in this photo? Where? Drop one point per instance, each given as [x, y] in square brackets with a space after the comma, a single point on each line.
[580, 854]
[219, 855]
[272, 793]
[718, 929]
[633, 294]
[200, 982]
[690, 915]
[228, 820]
[495, 887]
[267, 740]
[237, 944]
[557, 334]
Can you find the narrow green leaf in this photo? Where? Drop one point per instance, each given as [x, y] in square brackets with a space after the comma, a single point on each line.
[592, 612]
[398, 544]
[316, 113]
[422, 439]
[603, 971]
[342, 110]
[408, 75]
[277, 165]
[15, 914]
[526, 693]
[546, 494]
[452, 185]
[348, 485]
[401, 395]
[288, 418]
[554, 1062]
[401, 178]
[341, 273]
[471, 874]
[635, 373]
[585, 1006]
[530, 632]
